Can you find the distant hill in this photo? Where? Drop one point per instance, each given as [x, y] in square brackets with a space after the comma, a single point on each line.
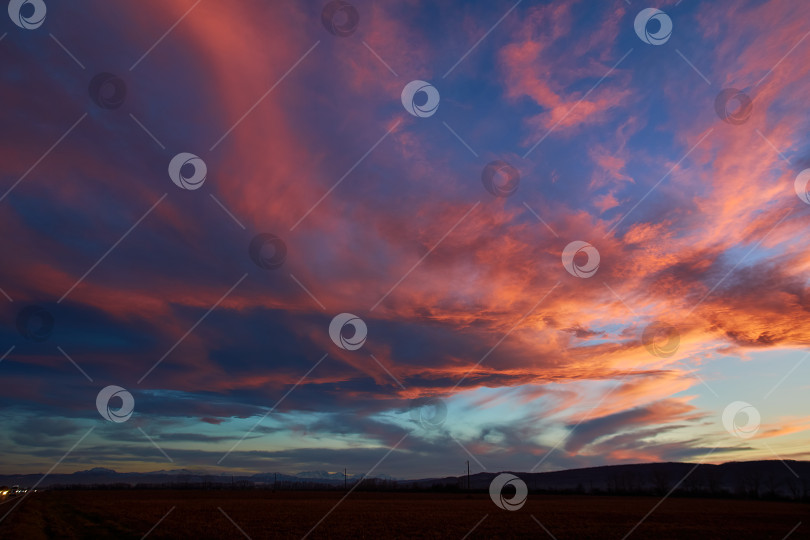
[777, 479]
[103, 476]
[782, 479]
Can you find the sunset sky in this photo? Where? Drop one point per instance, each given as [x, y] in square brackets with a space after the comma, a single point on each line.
[385, 216]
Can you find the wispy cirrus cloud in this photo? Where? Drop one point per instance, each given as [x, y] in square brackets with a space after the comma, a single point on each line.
[715, 249]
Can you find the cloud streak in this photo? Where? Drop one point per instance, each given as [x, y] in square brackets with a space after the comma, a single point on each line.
[716, 248]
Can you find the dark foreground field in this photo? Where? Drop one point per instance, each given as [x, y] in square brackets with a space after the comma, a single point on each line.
[261, 514]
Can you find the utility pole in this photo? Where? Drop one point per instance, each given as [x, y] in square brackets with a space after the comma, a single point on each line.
[468, 475]
[345, 480]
